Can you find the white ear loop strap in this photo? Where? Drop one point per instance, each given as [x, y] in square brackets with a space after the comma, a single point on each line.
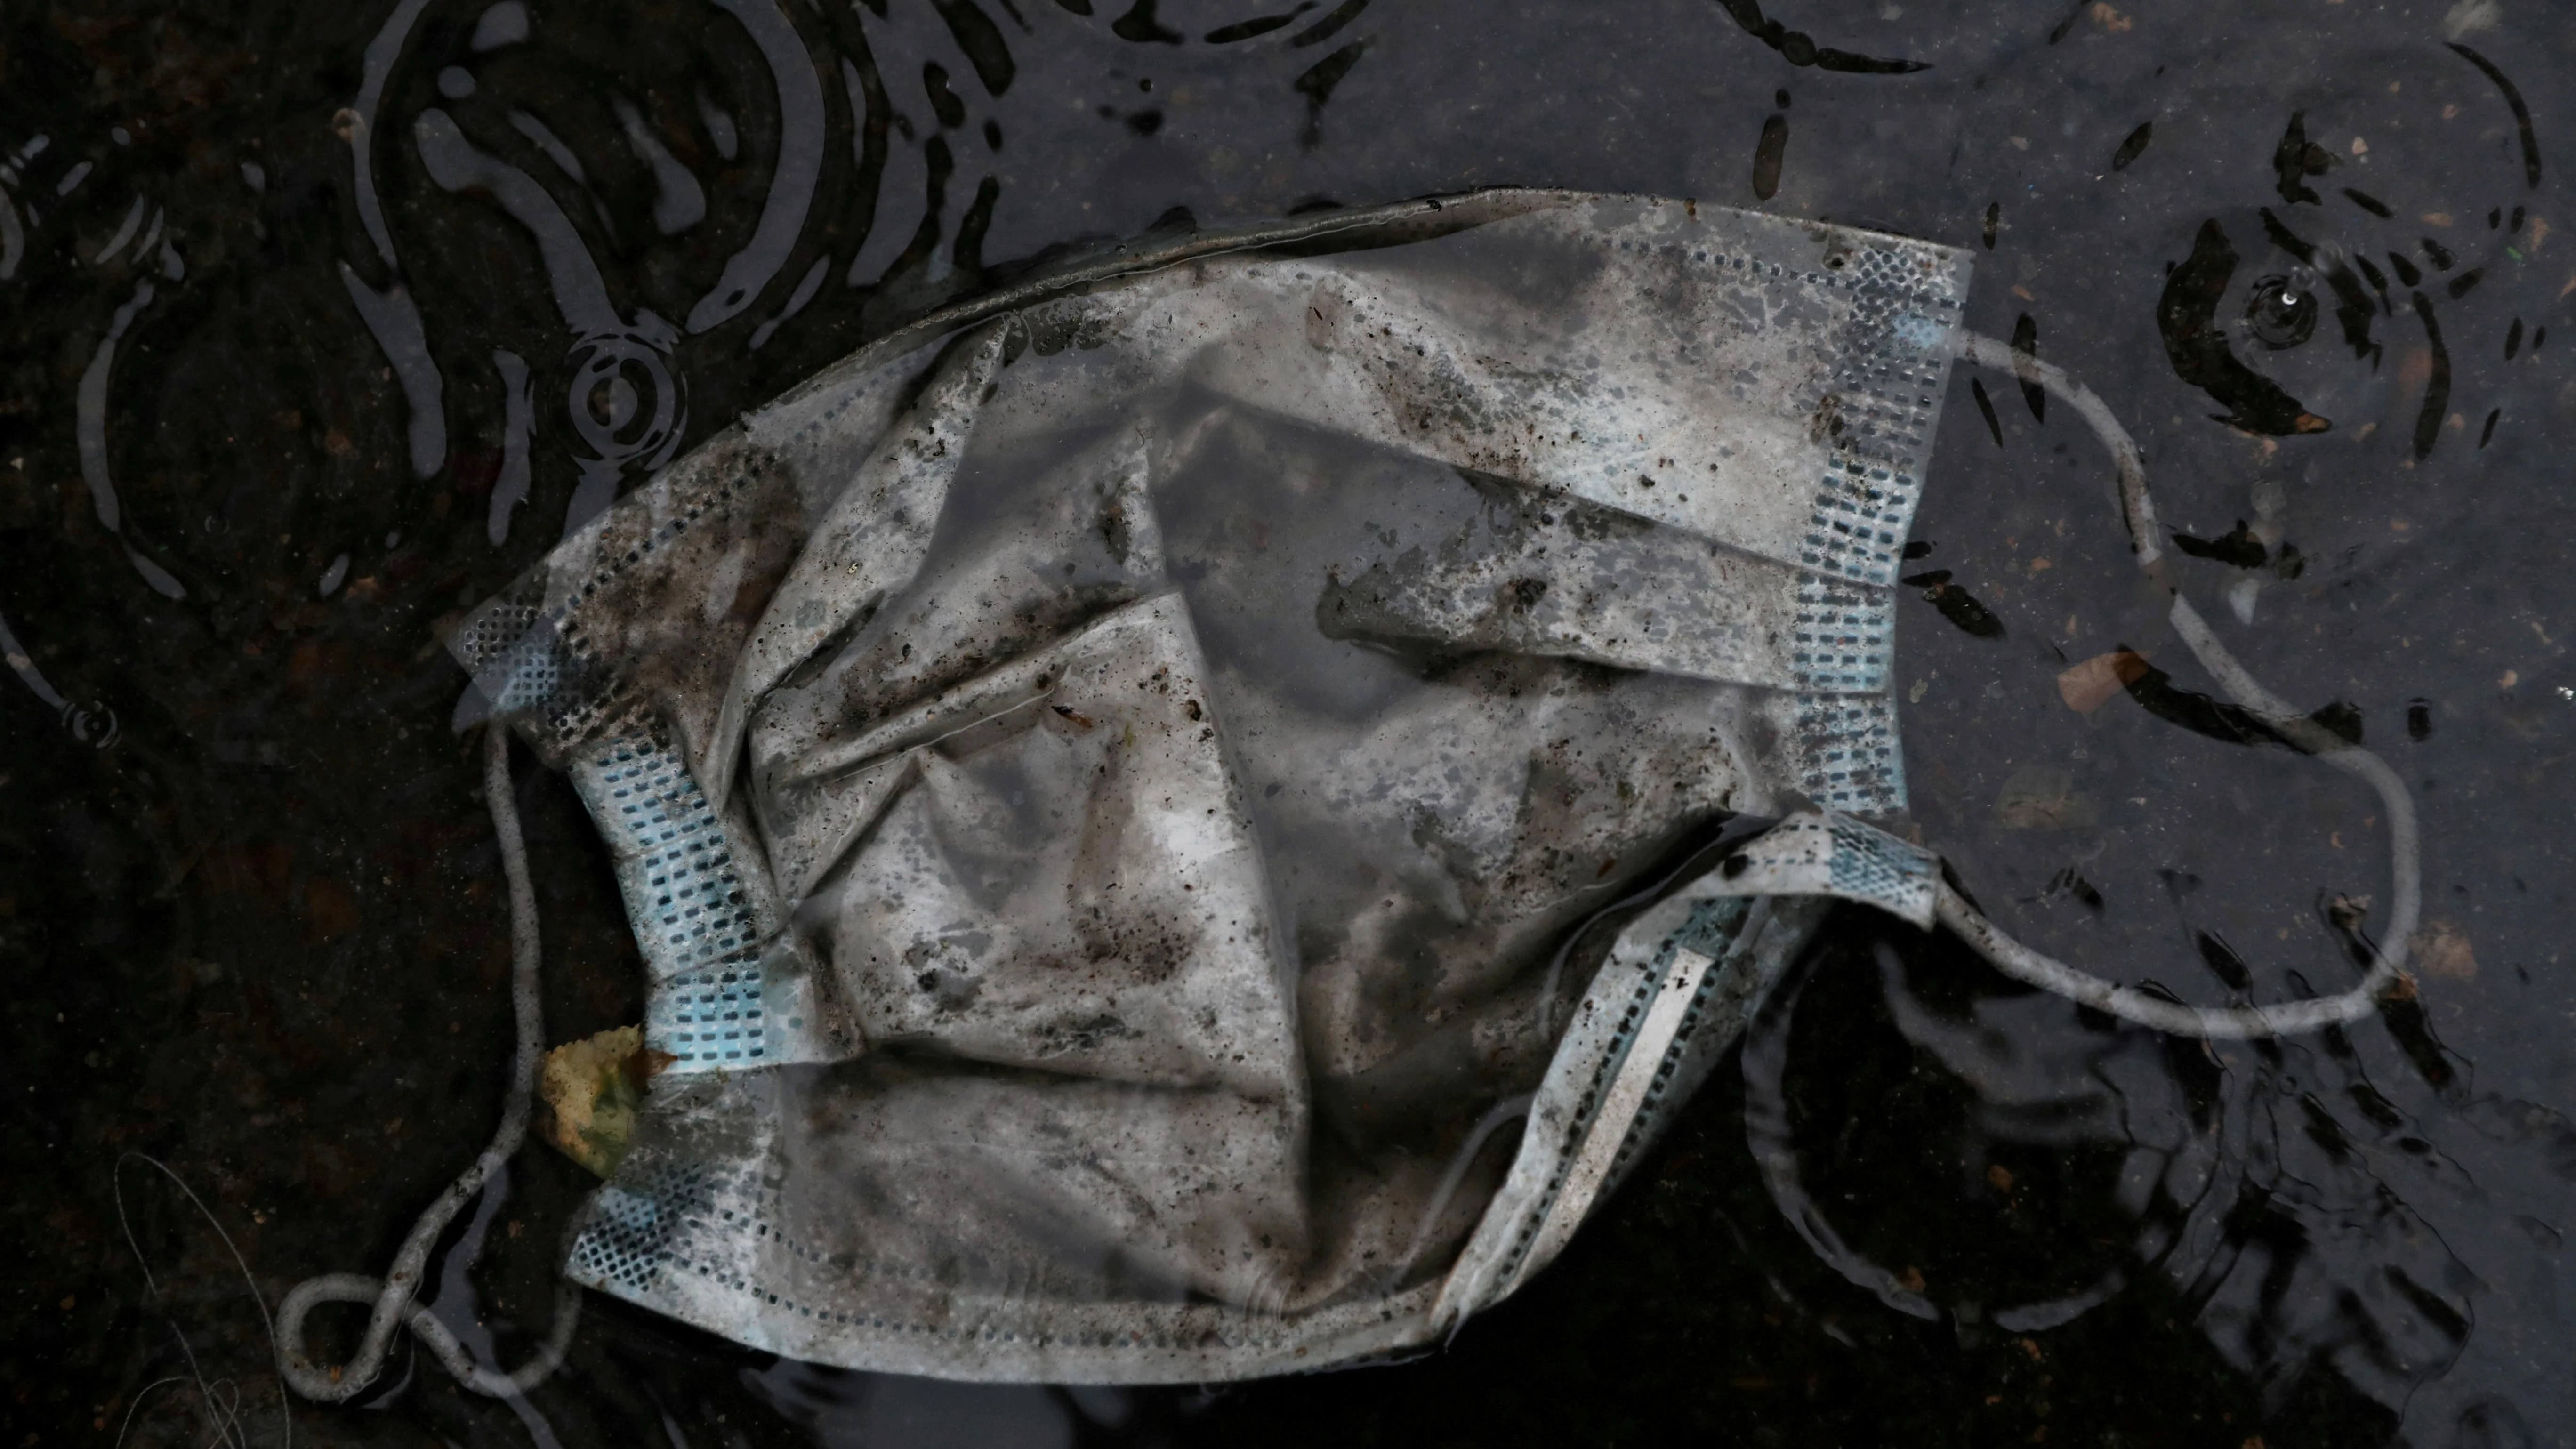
[2405, 861]
[391, 1296]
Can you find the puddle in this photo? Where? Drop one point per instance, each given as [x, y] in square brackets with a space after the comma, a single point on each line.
[323, 327]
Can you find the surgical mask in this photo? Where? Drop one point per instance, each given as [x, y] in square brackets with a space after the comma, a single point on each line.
[1102, 781]
[1189, 819]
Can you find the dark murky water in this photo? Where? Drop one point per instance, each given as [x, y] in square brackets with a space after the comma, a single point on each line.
[321, 325]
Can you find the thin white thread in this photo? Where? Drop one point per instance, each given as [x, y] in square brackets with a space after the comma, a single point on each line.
[392, 1294]
[2404, 848]
[152, 1285]
[1500, 1115]
[145, 1392]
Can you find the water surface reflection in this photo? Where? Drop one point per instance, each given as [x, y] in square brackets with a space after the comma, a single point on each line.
[322, 324]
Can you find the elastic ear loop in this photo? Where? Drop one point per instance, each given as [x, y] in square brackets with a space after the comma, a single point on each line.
[392, 1293]
[2405, 862]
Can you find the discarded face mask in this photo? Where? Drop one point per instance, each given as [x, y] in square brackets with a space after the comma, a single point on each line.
[1188, 819]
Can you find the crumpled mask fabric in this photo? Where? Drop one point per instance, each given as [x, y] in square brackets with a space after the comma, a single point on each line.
[1174, 814]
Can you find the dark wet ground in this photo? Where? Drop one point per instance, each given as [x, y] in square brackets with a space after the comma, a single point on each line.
[256, 450]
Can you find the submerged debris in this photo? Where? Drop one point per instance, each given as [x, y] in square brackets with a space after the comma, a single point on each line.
[591, 1089]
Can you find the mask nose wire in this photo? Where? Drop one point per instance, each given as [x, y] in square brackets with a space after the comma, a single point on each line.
[392, 1294]
[2405, 861]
